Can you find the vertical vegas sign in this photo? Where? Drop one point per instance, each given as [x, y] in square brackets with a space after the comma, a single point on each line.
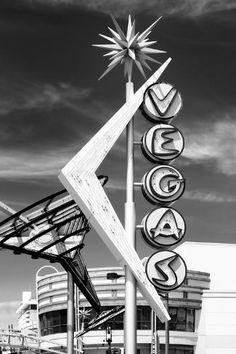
[162, 185]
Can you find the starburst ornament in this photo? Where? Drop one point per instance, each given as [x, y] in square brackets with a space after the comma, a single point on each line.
[130, 48]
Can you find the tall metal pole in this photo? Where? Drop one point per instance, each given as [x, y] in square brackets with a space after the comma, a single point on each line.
[70, 314]
[154, 345]
[130, 225]
[78, 322]
[38, 321]
[167, 332]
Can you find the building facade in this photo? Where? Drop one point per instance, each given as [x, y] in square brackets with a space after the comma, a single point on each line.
[202, 310]
[184, 307]
[216, 329]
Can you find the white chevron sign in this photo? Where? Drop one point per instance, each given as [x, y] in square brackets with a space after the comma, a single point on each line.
[79, 178]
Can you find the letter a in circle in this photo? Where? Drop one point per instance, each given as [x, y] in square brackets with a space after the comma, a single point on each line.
[167, 226]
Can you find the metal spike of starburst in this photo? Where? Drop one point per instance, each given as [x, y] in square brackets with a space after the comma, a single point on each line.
[130, 48]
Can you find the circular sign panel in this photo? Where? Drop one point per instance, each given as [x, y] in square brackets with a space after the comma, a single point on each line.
[162, 143]
[163, 227]
[161, 102]
[166, 270]
[163, 184]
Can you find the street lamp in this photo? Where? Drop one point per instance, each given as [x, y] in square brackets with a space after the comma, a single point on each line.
[109, 338]
[114, 276]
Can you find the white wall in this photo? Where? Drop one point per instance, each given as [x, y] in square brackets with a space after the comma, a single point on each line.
[217, 322]
[217, 326]
[218, 259]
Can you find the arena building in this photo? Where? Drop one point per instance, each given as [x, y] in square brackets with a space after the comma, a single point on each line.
[202, 310]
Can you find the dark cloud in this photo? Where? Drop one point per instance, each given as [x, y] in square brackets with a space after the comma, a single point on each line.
[188, 8]
[24, 96]
[122, 7]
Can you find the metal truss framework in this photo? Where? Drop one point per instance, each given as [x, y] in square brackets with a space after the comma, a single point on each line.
[30, 342]
[53, 228]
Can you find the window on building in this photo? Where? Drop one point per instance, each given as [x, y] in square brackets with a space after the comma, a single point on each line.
[190, 321]
[53, 322]
[182, 319]
[116, 323]
[177, 349]
[30, 307]
[144, 317]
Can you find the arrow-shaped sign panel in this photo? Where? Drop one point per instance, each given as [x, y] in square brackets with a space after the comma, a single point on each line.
[79, 178]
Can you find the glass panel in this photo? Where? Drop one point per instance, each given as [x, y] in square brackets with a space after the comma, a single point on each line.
[177, 349]
[53, 322]
[181, 319]
[144, 317]
[190, 325]
[56, 319]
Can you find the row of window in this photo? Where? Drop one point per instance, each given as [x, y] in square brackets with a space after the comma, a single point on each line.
[182, 319]
[177, 349]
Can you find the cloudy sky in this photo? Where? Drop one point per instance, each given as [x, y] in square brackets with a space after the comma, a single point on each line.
[51, 104]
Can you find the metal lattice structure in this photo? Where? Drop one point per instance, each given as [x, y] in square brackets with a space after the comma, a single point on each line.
[19, 341]
[53, 228]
